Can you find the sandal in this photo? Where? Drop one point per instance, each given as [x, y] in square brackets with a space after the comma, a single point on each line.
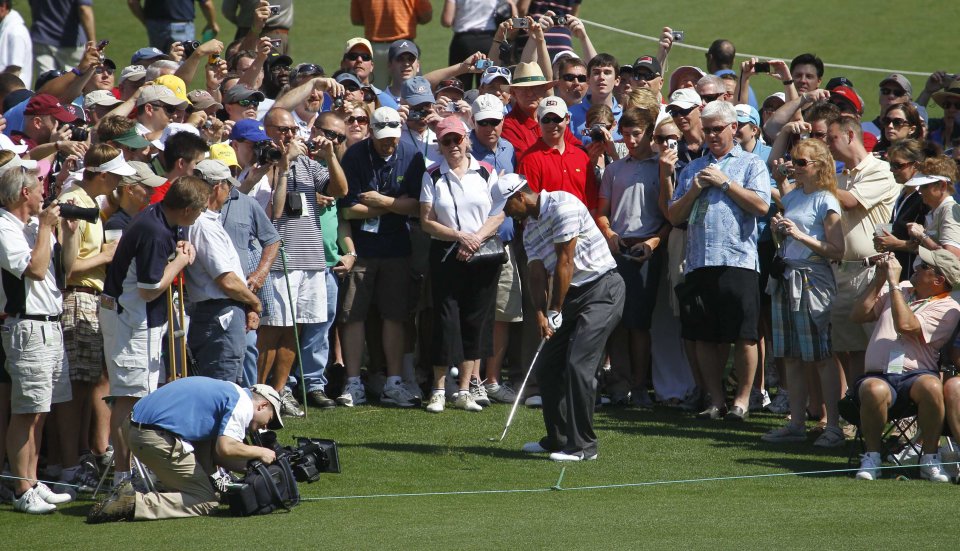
[832, 437]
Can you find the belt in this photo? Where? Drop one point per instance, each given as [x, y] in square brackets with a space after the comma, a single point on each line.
[36, 317]
[148, 426]
[81, 289]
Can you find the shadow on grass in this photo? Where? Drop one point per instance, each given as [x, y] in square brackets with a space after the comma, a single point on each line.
[432, 449]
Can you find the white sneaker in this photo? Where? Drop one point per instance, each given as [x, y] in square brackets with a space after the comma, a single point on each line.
[780, 403]
[534, 401]
[759, 399]
[466, 402]
[578, 456]
[437, 402]
[500, 393]
[396, 394]
[533, 447]
[353, 395]
[869, 466]
[31, 502]
[930, 468]
[479, 393]
[49, 496]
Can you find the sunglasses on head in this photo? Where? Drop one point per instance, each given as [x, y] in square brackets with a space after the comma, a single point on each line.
[896, 123]
[382, 125]
[309, 69]
[674, 111]
[898, 92]
[494, 70]
[570, 77]
[248, 103]
[489, 122]
[714, 129]
[449, 141]
[353, 56]
[803, 162]
[551, 119]
[362, 119]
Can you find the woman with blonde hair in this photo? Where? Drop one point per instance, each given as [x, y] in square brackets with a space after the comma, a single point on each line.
[802, 287]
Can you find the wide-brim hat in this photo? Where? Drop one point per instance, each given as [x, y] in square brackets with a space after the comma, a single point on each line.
[529, 74]
[950, 92]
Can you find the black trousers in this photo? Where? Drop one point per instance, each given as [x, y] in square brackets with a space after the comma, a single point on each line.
[464, 45]
[567, 366]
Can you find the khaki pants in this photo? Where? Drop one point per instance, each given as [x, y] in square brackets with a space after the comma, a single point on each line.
[190, 491]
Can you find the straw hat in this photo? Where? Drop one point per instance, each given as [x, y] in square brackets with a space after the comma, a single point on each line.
[950, 92]
[529, 74]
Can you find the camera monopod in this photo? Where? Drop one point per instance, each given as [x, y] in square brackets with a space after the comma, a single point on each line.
[296, 333]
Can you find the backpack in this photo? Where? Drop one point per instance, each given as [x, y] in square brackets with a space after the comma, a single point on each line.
[264, 489]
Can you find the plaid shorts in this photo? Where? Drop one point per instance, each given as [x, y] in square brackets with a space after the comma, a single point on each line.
[795, 335]
[82, 339]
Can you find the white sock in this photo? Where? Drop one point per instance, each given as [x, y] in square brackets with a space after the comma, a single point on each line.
[394, 380]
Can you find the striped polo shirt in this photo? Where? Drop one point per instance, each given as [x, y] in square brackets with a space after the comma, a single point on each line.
[564, 217]
[301, 235]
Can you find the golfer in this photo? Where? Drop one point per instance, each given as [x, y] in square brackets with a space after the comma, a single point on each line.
[585, 304]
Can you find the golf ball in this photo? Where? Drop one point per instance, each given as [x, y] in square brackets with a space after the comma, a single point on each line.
[454, 372]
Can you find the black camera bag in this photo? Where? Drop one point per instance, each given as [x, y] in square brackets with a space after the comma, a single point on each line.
[264, 489]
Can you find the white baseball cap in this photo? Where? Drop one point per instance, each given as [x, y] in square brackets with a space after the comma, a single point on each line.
[99, 97]
[385, 123]
[170, 130]
[487, 106]
[685, 98]
[552, 104]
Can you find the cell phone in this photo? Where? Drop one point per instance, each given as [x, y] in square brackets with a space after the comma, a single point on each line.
[678, 35]
[274, 10]
[672, 144]
[102, 44]
[519, 22]
[482, 64]
[761, 67]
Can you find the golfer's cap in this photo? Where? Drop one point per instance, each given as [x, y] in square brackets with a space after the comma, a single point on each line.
[685, 98]
[273, 397]
[6, 144]
[945, 262]
[158, 92]
[170, 130]
[924, 179]
[552, 105]
[132, 139]
[116, 165]
[506, 187]
[385, 123]
[354, 41]
[250, 130]
[17, 162]
[224, 153]
[143, 175]
[135, 73]
[487, 106]
[213, 172]
[102, 98]
[176, 84]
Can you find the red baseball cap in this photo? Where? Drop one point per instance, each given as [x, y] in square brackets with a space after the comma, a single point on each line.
[845, 93]
[46, 104]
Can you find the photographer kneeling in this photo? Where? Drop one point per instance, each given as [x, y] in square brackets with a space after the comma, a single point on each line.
[181, 432]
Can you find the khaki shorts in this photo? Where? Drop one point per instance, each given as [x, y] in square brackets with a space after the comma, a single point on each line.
[386, 282]
[852, 281]
[82, 339]
[39, 376]
[509, 299]
[133, 353]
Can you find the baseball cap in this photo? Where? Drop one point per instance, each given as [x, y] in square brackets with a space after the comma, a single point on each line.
[746, 113]
[901, 80]
[648, 63]
[562, 54]
[487, 106]
[132, 72]
[102, 98]
[385, 123]
[776, 95]
[116, 165]
[277, 57]
[176, 84]
[249, 129]
[685, 98]
[505, 188]
[201, 99]
[838, 81]
[146, 54]
[273, 397]
[224, 153]
[239, 92]
[349, 77]
[493, 73]
[170, 130]
[18, 162]
[450, 125]
[213, 172]
[685, 72]
[354, 41]
[132, 139]
[844, 93]
[450, 84]
[143, 175]
[158, 92]
[46, 104]
[402, 46]
[552, 105]
[6, 144]
[924, 179]
[45, 77]
[416, 90]
[944, 261]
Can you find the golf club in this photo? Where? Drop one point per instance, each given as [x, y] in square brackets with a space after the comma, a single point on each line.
[296, 334]
[183, 326]
[523, 385]
[171, 338]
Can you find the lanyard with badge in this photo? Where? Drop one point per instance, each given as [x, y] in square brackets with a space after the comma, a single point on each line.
[897, 353]
[699, 211]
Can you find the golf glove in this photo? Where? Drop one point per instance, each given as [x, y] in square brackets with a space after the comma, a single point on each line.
[554, 319]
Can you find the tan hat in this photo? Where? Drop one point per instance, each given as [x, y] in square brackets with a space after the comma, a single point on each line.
[103, 98]
[273, 397]
[945, 262]
[158, 92]
[529, 74]
[201, 99]
[354, 41]
[951, 92]
[143, 176]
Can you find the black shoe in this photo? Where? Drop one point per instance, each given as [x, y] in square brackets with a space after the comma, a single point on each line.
[289, 406]
[317, 398]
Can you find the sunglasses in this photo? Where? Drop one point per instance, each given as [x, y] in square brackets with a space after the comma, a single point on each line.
[714, 129]
[893, 92]
[494, 70]
[803, 162]
[248, 103]
[280, 69]
[450, 141]
[819, 135]
[362, 119]
[665, 139]
[900, 166]
[570, 77]
[645, 76]
[104, 71]
[707, 98]
[309, 69]
[489, 122]
[551, 119]
[170, 109]
[382, 125]
[351, 87]
[924, 266]
[353, 56]
[284, 129]
[951, 104]
[896, 123]
[332, 136]
[677, 112]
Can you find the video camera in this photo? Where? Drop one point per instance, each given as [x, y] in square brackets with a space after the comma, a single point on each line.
[308, 459]
[70, 211]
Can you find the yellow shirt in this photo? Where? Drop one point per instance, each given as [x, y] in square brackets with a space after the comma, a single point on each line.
[91, 241]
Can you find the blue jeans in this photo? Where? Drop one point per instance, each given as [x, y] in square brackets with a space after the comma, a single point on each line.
[315, 342]
[250, 359]
[218, 350]
[163, 33]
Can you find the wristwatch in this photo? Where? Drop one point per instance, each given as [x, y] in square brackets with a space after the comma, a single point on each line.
[725, 186]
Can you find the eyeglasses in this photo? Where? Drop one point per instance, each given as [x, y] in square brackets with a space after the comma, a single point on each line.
[714, 129]
[382, 125]
[819, 135]
[551, 119]
[674, 111]
[951, 104]
[489, 122]
[570, 77]
[707, 98]
[665, 139]
[898, 92]
[645, 76]
[284, 129]
[280, 69]
[897, 123]
[171, 110]
[332, 136]
[924, 266]
[353, 56]
[900, 166]
[362, 119]
[450, 141]
[248, 103]
[803, 162]
[104, 71]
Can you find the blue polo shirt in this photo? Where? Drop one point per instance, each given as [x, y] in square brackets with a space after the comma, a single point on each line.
[502, 160]
[197, 409]
[15, 117]
[139, 262]
[578, 120]
[401, 174]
